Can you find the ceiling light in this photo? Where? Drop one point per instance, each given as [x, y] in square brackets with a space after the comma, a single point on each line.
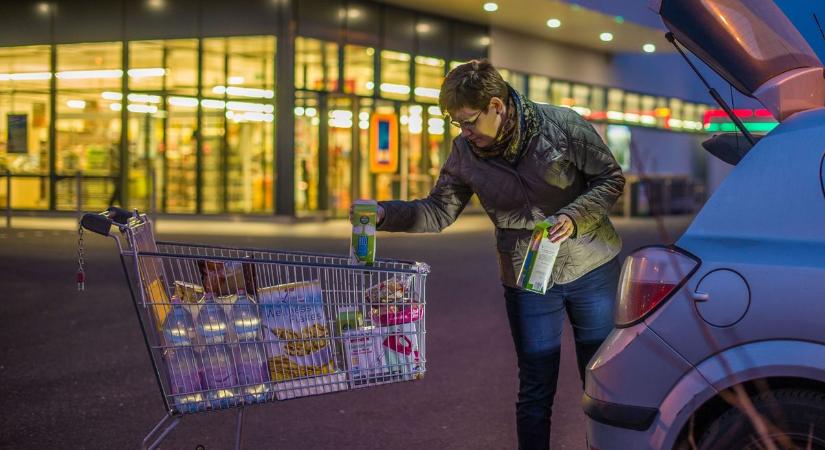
[554, 23]
[76, 104]
[491, 7]
[606, 37]
[423, 28]
[649, 48]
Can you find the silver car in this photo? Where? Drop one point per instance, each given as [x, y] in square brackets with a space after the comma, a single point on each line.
[720, 338]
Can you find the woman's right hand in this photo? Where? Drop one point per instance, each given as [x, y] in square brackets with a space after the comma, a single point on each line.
[379, 213]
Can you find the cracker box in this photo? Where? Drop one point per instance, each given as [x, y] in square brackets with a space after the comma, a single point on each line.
[296, 334]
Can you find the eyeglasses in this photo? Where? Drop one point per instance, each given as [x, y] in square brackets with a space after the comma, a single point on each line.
[466, 124]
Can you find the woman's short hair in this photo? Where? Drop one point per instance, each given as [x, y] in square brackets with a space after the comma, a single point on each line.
[472, 85]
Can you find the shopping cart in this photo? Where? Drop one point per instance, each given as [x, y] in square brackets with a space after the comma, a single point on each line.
[233, 327]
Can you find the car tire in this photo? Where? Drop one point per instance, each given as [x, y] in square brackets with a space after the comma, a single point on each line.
[798, 416]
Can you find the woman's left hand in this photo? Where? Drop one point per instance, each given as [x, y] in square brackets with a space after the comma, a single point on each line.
[562, 229]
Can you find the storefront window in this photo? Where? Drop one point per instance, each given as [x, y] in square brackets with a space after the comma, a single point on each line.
[24, 125]
[340, 155]
[89, 78]
[561, 95]
[615, 104]
[632, 108]
[581, 100]
[675, 119]
[648, 114]
[307, 134]
[316, 64]
[250, 130]
[597, 103]
[517, 81]
[163, 78]
[539, 89]
[395, 75]
[359, 70]
[429, 74]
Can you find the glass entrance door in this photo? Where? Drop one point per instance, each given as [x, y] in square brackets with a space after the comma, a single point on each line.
[340, 154]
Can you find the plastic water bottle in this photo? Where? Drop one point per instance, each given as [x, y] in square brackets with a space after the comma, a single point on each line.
[249, 355]
[245, 318]
[218, 372]
[253, 374]
[184, 376]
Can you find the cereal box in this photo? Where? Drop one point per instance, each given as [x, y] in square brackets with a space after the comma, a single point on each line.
[296, 334]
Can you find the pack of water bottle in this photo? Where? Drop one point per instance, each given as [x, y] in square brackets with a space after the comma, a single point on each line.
[213, 352]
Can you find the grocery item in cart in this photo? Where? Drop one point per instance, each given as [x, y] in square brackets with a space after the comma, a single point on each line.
[245, 317]
[223, 278]
[184, 374]
[296, 339]
[401, 350]
[392, 303]
[362, 244]
[217, 369]
[249, 354]
[184, 379]
[364, 354]
[252, 371]
[189, 293]
[178, 327]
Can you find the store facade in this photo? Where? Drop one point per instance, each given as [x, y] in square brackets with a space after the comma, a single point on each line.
[279, 107]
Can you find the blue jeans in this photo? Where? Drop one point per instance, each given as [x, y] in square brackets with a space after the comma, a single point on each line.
[536, 325]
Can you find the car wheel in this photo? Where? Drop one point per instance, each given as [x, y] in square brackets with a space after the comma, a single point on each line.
[796, 418]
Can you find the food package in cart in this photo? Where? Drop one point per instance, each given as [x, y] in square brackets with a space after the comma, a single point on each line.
[394, 302]
[402, 351]
[296, 334]
[395, 310]
[364, 354]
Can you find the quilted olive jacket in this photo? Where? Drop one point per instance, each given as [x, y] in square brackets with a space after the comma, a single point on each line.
[565, 169]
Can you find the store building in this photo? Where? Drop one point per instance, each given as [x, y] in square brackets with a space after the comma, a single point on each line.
[280, 107]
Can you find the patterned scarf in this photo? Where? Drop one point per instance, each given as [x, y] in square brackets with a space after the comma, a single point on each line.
[513, 135]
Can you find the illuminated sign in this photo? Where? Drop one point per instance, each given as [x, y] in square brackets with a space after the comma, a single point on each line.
[384, 143]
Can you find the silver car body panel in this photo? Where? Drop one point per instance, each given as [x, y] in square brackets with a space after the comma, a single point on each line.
[765, 223]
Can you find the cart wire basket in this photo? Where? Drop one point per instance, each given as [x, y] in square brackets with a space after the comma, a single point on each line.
[232, 327]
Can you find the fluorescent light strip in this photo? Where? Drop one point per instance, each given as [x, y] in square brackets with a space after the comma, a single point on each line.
[185, 102]
[615, 115]
[395, 88]
[250, 107]
[26, 76]
[147, 72]
[340, 123]
[434, 111]
[243, 92]
[143, 98]
[151, 109]
[427, 92]
[87, 74]
[341, 114]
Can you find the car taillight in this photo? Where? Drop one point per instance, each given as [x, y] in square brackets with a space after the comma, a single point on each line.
[649, 277]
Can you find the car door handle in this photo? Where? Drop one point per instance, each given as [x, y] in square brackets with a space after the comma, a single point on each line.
[701, 296]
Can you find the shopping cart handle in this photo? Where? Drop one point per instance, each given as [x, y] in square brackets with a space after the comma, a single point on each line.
[97, 223]
[118, 215]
